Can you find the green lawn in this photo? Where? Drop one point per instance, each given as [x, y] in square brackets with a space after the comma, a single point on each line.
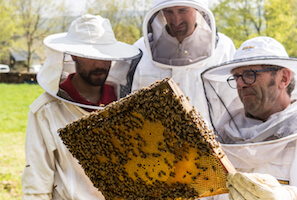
[14, 107]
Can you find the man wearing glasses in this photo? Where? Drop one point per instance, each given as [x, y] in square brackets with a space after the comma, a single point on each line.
[254, 116]
[263, 89]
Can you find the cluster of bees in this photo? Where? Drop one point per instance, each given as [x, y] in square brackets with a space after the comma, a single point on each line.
[148, 145]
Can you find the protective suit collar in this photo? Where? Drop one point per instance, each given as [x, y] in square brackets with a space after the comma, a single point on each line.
[247, 130]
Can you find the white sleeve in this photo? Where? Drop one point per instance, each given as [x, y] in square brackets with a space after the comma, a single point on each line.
[38, 175]
[37, 197]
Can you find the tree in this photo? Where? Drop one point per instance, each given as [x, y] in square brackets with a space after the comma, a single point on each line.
[33, 24]
[281, 17]
[240, 19]
[244, 19]
[126, 17]
[7, 27]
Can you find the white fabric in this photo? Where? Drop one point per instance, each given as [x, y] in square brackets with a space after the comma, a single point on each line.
[253, 186]
[51, 73]
[91, 36]
[248, 130]
[260, 46]
[155, 19]
[261, 50]
[276, 157]
[222, 71]
[251, 145]
[187, 78]
[51, 172]
[184, 53]
[156, 3]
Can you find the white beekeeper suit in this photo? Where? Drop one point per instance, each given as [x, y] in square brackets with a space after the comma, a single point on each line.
[51, 171]
[163, 56]
[261, 151]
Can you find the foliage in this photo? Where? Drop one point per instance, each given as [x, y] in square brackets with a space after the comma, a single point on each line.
[14, 107]
[25, 23]
[244, 19]
[7, 29]
[239, 19]
[281, 17]
[31, 23]
[125, 16]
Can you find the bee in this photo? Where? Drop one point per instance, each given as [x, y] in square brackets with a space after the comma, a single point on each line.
[213, 168]
[159, 174]
[172, 174]
[189, 173]
[135, 174]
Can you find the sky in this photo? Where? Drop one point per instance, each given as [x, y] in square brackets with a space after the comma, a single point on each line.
[76, 6]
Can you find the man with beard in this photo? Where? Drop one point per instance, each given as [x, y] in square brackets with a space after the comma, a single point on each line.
[87, 85]
[180, 41]
[85, 68]
[181, 21]
[257, 128]
[176, 45]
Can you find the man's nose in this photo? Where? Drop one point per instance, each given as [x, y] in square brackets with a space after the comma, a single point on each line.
[176, 19]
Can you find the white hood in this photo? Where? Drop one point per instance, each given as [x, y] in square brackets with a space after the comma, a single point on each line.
[154, 23]
[92, 37]
[155, 3]
[55, 68]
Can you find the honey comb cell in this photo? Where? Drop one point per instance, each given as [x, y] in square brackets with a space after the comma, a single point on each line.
[151, 144]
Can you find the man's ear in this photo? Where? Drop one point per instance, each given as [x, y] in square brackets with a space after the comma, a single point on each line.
[286, 77]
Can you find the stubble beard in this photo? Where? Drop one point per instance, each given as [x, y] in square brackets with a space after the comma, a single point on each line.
[252, 107]
[87, 76]
[179, 33]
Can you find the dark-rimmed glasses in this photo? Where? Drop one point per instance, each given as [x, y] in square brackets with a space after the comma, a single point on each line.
[248, 77]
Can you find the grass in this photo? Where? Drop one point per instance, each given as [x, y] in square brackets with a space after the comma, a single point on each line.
[14, 107]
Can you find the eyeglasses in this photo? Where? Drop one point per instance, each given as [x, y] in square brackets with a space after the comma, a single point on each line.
[248, 77]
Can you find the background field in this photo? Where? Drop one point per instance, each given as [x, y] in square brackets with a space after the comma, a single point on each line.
[14, 107]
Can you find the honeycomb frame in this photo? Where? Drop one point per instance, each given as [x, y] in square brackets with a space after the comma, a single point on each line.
[151, 144]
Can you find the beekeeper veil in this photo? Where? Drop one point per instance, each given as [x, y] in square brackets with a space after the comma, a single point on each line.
[223, 101]
[165, 50]
[88, 37]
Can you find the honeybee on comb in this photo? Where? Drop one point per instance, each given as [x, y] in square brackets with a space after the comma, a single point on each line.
[151, 144]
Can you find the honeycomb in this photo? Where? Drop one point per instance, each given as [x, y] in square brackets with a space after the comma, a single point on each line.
[151, 144]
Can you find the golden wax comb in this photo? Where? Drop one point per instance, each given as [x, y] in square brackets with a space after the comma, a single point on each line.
[151, 144]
